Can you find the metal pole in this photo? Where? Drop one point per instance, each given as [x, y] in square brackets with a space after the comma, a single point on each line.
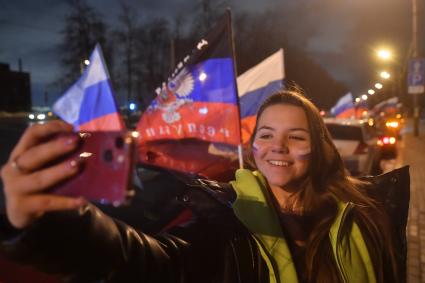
[172, 54]
[416, 108]
[232, 46]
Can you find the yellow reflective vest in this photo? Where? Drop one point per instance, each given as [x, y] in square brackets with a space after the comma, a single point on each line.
[253, 209]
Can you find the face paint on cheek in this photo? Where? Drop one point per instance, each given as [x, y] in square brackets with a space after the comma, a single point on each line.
[302, 154]
[254, 147]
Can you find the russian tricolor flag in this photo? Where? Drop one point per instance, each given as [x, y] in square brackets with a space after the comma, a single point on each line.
[255, 85]
[344, 107]
[89, 104]
[388, 106]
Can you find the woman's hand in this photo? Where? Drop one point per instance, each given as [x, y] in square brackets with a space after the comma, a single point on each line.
[26, 177]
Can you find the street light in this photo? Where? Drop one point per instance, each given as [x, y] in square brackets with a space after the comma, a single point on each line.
[378, 86]
[357, 99]
[385, 75]
[384, 54]
[371, 91]
[364, 97]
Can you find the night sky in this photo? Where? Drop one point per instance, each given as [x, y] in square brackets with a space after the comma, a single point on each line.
[346, 34]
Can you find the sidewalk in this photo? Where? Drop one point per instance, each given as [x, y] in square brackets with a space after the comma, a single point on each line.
[412, 152]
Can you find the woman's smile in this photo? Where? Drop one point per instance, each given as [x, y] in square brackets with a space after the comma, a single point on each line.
[279, 163]
[282, 146]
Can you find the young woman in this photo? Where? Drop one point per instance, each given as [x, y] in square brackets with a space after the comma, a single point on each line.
[298, 217]
[317, 203]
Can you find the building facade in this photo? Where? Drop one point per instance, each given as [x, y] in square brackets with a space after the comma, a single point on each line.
[15, 90]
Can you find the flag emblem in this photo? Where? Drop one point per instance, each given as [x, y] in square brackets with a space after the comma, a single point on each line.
[171, 96]
[182, 84]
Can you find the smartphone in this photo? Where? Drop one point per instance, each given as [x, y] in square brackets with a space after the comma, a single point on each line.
[107, 166]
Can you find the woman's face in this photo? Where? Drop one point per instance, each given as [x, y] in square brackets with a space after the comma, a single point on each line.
[282, 145]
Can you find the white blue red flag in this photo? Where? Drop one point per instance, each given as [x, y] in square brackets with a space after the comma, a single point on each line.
[89, 104]
[362, 109]
[388, 106]
[344, 107]
[255, 85]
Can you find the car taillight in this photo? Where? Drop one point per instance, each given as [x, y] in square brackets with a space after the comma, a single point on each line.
[386, 140]
[361, 148]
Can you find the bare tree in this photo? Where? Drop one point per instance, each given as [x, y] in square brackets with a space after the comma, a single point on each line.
[83, 29]
[126, 37]
[206, 14]
[152, 58]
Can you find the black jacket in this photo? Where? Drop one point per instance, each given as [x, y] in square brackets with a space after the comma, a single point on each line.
[86, 245]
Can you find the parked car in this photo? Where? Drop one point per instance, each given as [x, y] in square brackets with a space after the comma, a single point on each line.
[357, 143]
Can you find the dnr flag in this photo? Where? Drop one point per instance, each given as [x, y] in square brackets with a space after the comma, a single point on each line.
[199, 100]
[193, 124]
[89, 104]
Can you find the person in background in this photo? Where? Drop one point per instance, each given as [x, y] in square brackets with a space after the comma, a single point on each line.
[297, 216]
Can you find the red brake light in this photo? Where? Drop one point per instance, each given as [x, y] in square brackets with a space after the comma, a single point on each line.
[386, 140]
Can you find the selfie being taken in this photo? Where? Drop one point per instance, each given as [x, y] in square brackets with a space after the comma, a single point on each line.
[185, 151]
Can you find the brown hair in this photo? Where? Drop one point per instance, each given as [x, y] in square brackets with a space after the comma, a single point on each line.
[326, 181]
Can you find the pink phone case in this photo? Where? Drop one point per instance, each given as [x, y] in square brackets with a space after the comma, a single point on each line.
[107, 167]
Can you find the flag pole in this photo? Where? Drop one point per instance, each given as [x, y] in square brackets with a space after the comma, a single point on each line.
[232, 46]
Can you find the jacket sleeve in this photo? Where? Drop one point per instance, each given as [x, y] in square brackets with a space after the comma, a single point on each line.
[392, 190]
[86, 245]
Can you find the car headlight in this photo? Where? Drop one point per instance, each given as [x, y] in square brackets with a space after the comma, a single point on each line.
[41, 116]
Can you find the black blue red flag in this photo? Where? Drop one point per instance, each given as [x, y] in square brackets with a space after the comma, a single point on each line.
[196, 107]
[200, 98]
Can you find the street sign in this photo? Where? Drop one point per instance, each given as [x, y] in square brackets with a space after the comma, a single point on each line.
[416, 76]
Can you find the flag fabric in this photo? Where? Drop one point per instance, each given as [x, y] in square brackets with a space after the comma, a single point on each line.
[362, 109]
[344, 107]
[200, 99]
[388, 106]
[392, 105]
[89, 104]
[191, 156]
[194, 110]
[255, 85]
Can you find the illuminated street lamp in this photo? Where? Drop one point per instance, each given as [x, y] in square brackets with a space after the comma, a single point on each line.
[384, 54]
[364, 97]
[371, 91]
[83, 63]
[385, 75]
[378, 86]
[357, 99]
